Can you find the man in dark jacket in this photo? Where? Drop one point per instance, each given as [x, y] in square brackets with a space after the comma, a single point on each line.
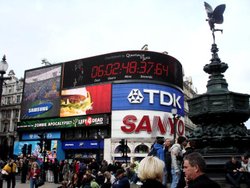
[194, 169]
[24, 170]
[167, 146]
[233, 174]
[121, 180]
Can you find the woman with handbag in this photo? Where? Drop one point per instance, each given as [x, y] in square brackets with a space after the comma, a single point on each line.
[34, 175]
[10, 169]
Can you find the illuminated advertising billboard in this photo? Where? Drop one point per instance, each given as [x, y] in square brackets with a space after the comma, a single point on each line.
[83, 144]
[41, 95]
[34, 136]
[71, 122]
[127, 66]
[143, 110]
[36, 149]
[145, 124]
[143, 96]
[86, 100]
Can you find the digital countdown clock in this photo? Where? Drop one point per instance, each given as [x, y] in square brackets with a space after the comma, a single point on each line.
[123, 66]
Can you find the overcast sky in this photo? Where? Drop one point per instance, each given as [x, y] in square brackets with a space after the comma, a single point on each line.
[63, 30]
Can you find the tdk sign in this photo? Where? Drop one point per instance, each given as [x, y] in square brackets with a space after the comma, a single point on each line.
[135, 96]
[147, 96]
[166, 98]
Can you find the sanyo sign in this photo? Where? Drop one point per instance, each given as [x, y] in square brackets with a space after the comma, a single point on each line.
[145, 124]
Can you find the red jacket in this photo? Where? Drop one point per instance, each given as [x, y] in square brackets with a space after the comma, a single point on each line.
[34, 173]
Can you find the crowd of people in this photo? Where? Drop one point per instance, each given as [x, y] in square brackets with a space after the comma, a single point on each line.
[177, 165]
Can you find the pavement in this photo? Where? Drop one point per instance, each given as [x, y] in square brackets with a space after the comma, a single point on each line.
[27, 185]
[46, 185]
[53, 185]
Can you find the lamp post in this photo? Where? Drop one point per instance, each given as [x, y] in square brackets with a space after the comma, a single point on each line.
[3, 68]
[43, 139]
[174, 113]
[99, 139]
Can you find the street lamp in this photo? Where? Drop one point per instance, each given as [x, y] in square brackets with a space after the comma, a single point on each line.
[3, 68]
[174, 113]
[43, 140]
[99, 139]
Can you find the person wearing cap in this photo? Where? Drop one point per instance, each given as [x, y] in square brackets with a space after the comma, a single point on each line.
[121, 180]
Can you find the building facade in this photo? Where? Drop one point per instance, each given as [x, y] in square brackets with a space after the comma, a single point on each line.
[10, 113]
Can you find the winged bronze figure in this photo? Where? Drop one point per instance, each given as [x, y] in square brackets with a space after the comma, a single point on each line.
[214, 16]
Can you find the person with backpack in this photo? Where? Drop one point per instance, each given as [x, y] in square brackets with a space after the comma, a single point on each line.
[176, 160]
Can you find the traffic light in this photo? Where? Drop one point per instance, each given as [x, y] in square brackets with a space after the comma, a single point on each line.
[24, 149]
[40, 147]
[47, 144]
[122, 142]
[29, 149]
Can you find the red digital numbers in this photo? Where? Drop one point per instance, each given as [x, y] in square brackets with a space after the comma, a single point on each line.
[160, 69]
[129, 68]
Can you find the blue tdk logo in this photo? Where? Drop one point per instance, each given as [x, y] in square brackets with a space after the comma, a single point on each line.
[135, 96]
[166, 98]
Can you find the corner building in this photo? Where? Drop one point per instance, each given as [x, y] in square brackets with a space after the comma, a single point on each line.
[84, 108]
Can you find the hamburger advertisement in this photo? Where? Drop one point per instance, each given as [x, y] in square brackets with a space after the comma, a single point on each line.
[86, 100]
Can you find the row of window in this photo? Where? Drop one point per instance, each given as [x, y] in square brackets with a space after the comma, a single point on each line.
[5, 127]
[87, 133]
[7, 114]
[13, 99]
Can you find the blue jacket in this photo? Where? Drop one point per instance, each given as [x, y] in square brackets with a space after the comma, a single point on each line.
[160, 151]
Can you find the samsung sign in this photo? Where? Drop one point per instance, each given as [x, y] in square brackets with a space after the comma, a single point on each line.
[39, 109]
[83, 144]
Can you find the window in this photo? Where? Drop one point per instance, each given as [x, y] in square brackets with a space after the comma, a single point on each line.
[6, 114]
[142, 149]
[78, 134]
[18, 98]
[8, 100]
[5, 127]
[69, 134]
[9, 89]
[16, 113]
[92, 133]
